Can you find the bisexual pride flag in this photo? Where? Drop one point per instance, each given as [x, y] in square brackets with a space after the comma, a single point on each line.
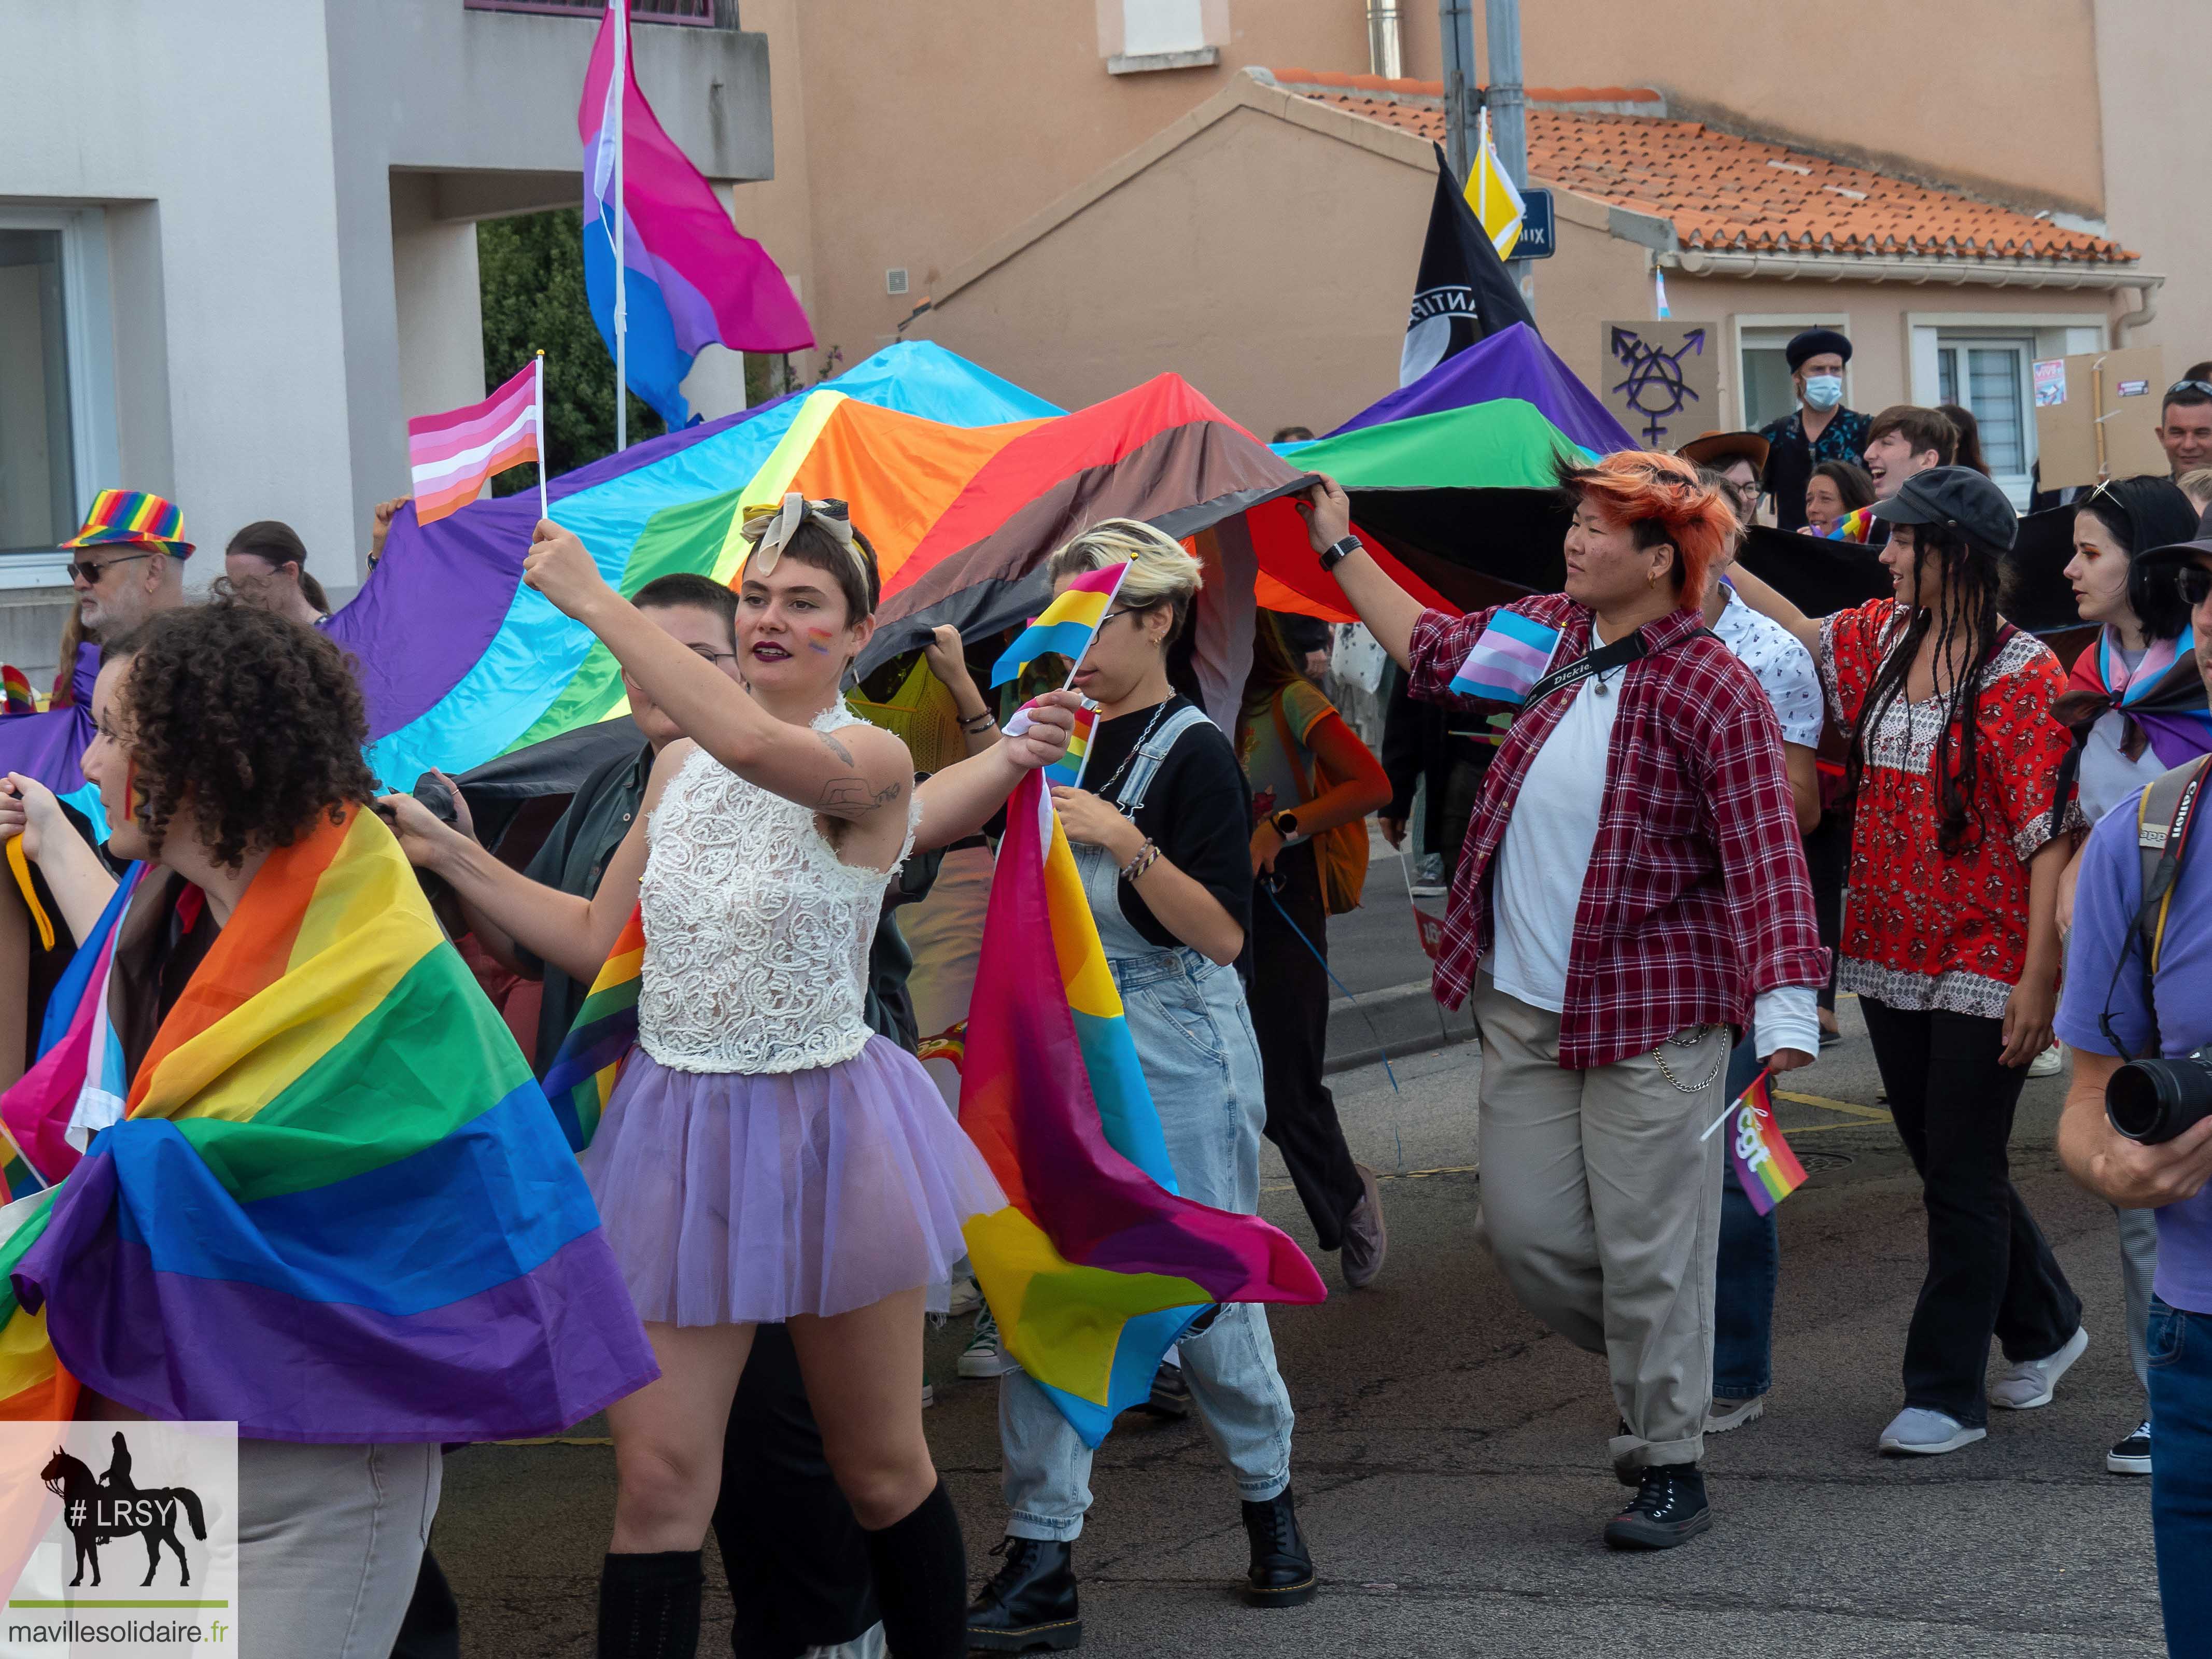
[689, 279]
[1095, 1265]
[1509, 657]
[1765, 1167]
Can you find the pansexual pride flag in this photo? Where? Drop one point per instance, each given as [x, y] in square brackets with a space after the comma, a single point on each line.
[1765, 1167]
[1510, 656]
[1096, 1266]
[336, 1208]
[1067, 625]
[688, 278]
[455, 454]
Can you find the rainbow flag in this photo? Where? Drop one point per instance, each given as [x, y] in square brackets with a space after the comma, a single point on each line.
[336, 1208]
[1067, 770]
[949, 1045]
[1510, 656]
[1067, 624]
[16, 697]
[1765, 1167]
[1855, 525]
[582, 1078]
[1095, 1267]
[453, 455]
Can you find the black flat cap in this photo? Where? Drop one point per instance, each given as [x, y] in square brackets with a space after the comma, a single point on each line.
[1814, 341]
[1958, 498]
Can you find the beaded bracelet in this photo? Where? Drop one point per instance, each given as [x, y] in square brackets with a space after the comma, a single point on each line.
[1143, 861]
[977, 722]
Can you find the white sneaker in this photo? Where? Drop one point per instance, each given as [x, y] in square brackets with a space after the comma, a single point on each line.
[2049, 1063]
[1919, 1432]
[984, 1358]
[963, 1295]
[2031, 1382]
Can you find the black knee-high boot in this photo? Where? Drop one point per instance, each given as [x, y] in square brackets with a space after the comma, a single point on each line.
[921, 1581]
[649, 1606]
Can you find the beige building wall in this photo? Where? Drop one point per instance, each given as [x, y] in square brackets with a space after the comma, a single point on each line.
[2151, 58]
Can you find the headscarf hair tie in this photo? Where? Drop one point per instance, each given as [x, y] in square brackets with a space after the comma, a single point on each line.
[770, 530]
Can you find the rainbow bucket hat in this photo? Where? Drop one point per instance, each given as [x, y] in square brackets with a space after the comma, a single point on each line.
[133, 516]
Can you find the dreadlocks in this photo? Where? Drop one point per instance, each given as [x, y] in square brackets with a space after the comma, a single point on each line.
[1967, 629]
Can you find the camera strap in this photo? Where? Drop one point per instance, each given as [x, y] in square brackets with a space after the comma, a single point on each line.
[2163, 819]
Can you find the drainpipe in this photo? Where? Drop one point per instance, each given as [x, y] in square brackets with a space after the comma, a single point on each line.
[2129, 321]
[1384, 56]
[1509, 128]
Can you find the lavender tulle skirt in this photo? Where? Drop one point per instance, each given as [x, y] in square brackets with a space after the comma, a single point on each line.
[732, 1199]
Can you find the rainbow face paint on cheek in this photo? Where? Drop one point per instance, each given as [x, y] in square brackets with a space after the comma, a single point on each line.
[817, 640]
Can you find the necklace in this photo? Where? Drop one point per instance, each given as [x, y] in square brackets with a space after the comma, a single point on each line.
[1105, 791]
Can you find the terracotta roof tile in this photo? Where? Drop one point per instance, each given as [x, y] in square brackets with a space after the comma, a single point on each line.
[1722, 190]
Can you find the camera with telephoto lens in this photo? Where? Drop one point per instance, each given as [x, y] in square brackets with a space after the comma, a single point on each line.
[2155, 1100]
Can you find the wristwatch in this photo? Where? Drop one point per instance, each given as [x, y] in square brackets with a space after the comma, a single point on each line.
[1337, 551]
[1285, 824]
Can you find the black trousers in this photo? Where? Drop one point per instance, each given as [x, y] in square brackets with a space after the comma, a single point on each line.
[1289, 999]
[797, 1559]
[1828, 863]
[1990, 1269]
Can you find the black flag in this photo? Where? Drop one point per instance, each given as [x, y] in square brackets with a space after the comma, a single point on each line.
[1464, 293]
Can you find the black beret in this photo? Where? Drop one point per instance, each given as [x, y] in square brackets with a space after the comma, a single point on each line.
[1814, 341]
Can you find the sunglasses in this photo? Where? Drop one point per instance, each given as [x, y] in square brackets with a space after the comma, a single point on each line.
[2194, 582]
[91, 571]
[2202, 388]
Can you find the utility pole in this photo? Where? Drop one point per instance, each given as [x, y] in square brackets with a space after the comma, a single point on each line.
[1463, 90]
[1509, 111]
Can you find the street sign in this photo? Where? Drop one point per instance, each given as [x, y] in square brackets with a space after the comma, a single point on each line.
[1537, 241]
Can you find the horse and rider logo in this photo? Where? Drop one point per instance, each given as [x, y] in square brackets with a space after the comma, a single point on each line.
[98, 1510]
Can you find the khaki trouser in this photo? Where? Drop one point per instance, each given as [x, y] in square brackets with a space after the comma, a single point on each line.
[1603, 1209]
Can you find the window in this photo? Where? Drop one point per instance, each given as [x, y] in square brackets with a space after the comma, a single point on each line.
[1990, 377]
[38, 450]
[1135, 36]
[1764, 388]
[1150, 27]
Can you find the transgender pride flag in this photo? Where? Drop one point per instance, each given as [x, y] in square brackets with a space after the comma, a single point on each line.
[689, 279]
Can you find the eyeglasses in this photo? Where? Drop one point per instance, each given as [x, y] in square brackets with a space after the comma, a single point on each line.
[2194, 582]
[701, 652]
[91, 571]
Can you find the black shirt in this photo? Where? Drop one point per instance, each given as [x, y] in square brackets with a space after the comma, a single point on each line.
[1197, 810]
[1790, 458]
[572, 860]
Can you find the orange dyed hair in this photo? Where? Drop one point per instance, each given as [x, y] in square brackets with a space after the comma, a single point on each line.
[1661, 499]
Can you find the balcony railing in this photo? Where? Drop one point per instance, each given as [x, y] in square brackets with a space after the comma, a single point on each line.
[700, 13]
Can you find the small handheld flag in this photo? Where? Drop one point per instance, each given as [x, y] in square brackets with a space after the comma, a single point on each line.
[1856, 525]
[1509, 657]
[16, 697]
[1067, 625]
[1765, 1167]
[454, 455]
[1491, 193]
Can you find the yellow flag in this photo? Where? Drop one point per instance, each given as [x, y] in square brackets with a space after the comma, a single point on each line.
[1491, 194]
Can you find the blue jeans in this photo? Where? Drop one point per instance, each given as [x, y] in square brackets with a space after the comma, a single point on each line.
[1202, 1065]
[1750, 1266]
[2181, 1474]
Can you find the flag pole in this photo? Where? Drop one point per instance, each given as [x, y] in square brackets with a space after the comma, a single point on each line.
[621, 231]
[544, 511]
[1482, 170]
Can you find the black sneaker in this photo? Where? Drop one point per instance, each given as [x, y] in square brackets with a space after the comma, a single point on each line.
[1282, 1572]
[2132, 1454]
[1170, 1395]
[1669, 1508]
[1030, 1604]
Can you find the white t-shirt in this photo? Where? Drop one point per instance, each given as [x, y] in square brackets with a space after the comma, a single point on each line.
[1546, 854]
[1781, 664]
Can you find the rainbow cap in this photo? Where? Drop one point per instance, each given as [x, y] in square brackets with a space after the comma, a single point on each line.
[133, 516]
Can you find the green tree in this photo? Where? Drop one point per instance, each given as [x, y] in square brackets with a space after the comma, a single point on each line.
[531, 271]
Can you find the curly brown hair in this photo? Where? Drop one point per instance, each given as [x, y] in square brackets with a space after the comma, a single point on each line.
[254, 718]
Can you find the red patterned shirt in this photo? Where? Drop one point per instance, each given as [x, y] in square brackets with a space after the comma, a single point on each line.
[1924, 929]
[1697, 898]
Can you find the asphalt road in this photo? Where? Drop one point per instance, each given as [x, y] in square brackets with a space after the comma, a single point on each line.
[1450, 1452]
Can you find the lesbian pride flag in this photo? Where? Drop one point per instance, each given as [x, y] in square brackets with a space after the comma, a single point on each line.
[455, 454]
[1095, 1265]
[689, 279]
[1765, 1167]
[1067, 625]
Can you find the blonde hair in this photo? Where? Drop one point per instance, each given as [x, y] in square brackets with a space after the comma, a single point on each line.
[2197, 484]
[1160, 571]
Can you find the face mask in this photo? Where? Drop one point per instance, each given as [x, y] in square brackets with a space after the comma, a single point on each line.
[1823, 390]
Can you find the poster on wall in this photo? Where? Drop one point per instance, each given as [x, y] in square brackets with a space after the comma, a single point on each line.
[1662, 379]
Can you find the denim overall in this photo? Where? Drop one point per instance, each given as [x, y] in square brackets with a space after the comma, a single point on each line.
[1194, 1035]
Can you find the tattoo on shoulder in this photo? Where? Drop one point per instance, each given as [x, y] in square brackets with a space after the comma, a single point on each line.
[846, 797]
[836, 749]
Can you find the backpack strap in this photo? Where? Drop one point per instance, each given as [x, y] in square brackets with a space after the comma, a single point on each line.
[2164, 817]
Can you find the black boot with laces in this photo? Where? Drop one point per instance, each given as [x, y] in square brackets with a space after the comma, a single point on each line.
[1282, 1574]
[1669, 1508]
[1030, 1604]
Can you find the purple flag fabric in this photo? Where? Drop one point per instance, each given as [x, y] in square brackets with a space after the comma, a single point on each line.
[48, 746]
[1514, 363]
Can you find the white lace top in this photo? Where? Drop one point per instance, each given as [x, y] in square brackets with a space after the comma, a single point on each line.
[755, 933]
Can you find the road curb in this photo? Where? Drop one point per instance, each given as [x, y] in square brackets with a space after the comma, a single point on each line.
[1401, 1018]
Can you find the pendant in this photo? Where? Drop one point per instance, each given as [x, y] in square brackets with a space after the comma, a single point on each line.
[1602, 690]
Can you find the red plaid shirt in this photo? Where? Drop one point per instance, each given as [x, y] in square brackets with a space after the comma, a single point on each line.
[1697, 897]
